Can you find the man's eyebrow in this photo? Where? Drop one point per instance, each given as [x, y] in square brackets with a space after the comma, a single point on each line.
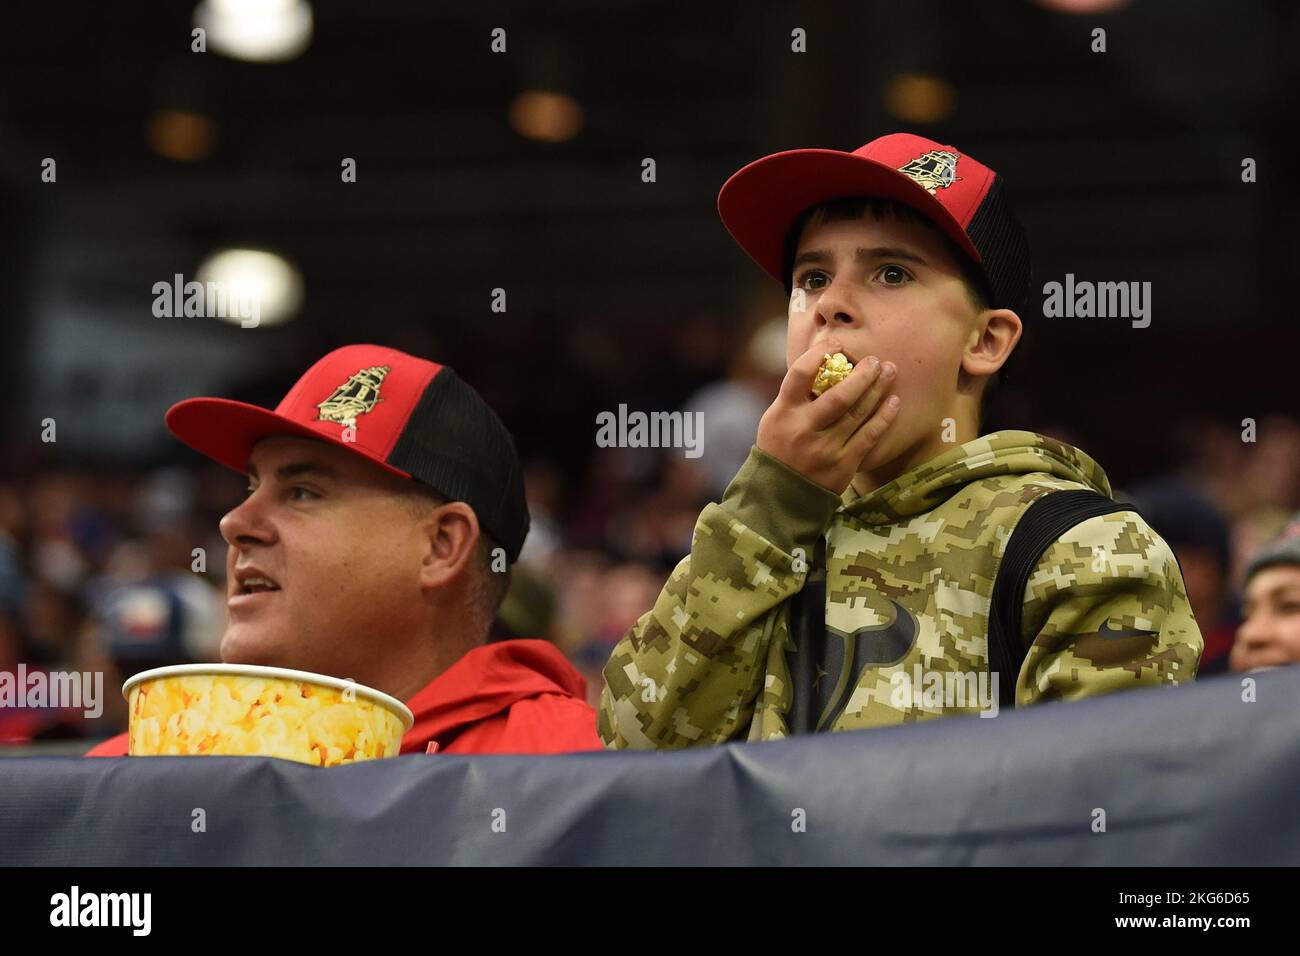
[863, 254]
[297, 469]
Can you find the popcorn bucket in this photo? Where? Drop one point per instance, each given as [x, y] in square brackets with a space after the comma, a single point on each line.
[239, 710]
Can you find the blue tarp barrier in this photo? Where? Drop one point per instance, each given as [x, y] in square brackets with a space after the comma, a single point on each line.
[1184, 776]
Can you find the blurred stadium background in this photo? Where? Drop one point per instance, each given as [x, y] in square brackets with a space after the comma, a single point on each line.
[522, 171]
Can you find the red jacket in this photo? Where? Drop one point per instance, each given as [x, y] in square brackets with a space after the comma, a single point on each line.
[512, 697]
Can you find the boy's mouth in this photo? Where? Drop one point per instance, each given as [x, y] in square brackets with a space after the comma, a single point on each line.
[825, 347]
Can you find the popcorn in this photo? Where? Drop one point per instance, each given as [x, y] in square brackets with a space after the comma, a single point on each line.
[238, 714]
[833, 370]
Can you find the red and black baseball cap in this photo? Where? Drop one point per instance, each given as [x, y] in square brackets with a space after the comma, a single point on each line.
[761, 203]
[412, 417]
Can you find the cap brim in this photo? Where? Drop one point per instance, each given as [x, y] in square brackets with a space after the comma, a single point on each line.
[761, 201]
[226, 431]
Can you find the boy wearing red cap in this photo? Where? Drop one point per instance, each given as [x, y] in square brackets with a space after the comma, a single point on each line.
[877, 560]
[385, 505]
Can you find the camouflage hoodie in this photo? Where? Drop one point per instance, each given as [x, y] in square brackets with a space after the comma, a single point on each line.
[908, 572]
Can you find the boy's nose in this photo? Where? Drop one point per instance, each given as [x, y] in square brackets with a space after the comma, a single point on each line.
[835, 309]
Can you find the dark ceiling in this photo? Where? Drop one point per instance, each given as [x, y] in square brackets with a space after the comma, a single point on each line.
[1125, 166]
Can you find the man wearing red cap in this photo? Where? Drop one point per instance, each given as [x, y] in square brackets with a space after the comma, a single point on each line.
[878, 560]
[385, 506]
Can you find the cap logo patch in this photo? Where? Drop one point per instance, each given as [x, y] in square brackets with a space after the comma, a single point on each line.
[936, 169]
[358, 395]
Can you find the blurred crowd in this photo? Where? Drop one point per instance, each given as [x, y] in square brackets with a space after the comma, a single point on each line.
[119, 570]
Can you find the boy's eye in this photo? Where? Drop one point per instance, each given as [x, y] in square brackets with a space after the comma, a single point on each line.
[812, 276]
[894, 275]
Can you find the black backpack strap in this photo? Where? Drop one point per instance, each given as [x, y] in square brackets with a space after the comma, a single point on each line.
[1043, 523]
[815, 663]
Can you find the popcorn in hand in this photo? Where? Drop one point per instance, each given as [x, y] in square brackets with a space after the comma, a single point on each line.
[833, 370]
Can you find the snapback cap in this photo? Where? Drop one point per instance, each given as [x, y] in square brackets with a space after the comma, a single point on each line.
[761, 203]
[412, 417]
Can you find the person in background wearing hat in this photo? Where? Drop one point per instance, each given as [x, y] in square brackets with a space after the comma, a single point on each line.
[385, 506]
[1270, 631]
[864, 567]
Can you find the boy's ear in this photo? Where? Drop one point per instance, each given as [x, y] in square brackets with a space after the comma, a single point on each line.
[991, 342]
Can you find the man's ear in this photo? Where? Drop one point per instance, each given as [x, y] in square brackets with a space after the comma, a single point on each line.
[991, 342]
[451, 534]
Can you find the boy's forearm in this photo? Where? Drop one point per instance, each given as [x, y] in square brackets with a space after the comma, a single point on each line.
[688, 671]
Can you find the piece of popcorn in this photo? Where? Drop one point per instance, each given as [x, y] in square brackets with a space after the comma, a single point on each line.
[833, 370]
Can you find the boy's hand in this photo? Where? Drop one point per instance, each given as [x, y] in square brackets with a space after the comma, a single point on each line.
[825, 438]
